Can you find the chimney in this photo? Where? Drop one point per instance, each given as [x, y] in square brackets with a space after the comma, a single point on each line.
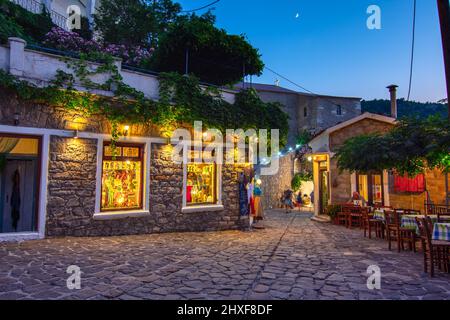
[393, 91]
[277, 82]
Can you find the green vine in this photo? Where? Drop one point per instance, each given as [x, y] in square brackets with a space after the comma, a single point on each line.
[182, 101]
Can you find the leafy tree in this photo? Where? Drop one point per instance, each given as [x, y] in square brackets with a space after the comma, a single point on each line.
[17, 21]
[214, 56]
[405, 108]
[304, 137]
[297, 180]
[411, 147]
[134, 22]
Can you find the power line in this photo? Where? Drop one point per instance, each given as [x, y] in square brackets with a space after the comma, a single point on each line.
[204, 7]
[301, 87]
[412, 49]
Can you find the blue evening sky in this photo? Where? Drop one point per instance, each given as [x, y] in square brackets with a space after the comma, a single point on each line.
[329, 50]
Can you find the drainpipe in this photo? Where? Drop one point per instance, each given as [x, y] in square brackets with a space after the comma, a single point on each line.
[393, 91]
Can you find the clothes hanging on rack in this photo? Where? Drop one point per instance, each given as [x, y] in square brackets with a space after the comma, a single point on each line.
[243, 196]
[258, 207]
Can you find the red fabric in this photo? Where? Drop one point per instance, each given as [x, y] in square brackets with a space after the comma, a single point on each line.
[189, 194]
[406, 184]
[252, 206]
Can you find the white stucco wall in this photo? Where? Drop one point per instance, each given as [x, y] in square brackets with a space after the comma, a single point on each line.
[41, 68]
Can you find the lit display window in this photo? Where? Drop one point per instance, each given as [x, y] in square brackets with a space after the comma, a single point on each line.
[201, 184]
[122, 178]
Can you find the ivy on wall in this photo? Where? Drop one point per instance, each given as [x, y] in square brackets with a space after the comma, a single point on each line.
[182, 99]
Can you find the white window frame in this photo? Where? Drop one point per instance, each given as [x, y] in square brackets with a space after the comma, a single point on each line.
[111, 215]
[42, 205]
[203, 207]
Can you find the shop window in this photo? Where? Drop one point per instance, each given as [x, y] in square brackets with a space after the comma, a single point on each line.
[377, 189]
[370, 187]
[122, 177]
[363, 186]
[201, 186]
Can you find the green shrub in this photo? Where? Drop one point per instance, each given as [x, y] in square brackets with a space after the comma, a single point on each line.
[8, 28]
[332, 210]
[35, 26]
[296, 182]
[85, 32]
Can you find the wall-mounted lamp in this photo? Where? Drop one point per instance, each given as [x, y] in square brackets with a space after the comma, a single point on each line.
[16, 118]
[126, 131]
[76, 134]
[310, 159]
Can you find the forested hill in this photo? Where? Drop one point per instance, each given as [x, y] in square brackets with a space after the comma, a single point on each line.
[405, 108]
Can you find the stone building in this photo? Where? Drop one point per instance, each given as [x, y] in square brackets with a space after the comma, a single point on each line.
[307, 112]
[59, 178]
[331, 186]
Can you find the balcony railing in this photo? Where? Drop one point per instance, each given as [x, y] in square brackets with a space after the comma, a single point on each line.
[35, 6]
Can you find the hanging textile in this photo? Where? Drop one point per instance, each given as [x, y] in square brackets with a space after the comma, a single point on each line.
[243, 196]
[15, 199]
[407, 184]
[8, 144]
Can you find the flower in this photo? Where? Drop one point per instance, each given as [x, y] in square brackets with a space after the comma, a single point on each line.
[61, 39]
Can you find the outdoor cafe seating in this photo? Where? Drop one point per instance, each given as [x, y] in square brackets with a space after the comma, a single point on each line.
[405, 228]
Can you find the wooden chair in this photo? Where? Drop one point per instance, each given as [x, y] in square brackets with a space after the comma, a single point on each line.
[394, 232]
[428, 252]
[443, 215]
[436, 253]
[342, 215]
[381, 206]
[355, 217]
[411, 212]
[369, 224]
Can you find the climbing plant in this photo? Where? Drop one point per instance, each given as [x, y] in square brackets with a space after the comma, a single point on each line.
[183, 99]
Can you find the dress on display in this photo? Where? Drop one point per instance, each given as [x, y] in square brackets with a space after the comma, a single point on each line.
[258, 208]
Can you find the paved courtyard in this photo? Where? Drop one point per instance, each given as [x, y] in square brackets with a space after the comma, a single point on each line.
[293, 258]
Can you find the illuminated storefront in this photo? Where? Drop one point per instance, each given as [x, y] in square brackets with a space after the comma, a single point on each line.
[122, 178]
[201, 184]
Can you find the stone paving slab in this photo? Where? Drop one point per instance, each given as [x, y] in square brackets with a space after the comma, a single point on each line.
[292, 258]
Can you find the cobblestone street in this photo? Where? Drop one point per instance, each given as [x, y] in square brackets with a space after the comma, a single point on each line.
[293, 258]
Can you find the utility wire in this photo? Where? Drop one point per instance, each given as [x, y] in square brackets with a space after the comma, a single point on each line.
[301, 87]
[201, 8]
[412, 50]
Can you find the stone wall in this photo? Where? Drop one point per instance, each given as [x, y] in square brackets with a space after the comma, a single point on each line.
[38, 115]
[340, 182]
[435, 184]
[72, 180]
[274, 186]
[364, 126]
[341, 186]
[71, 195]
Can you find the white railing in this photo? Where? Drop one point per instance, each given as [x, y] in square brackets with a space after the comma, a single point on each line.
[59, 19]
[31, 5]
[35, 6]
